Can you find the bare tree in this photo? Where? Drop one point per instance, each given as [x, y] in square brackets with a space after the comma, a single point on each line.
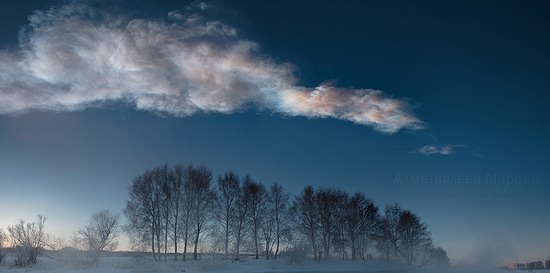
[388, 234]
[256, 192]
[241, 215]
[186, 217]
[414, 241]
[142, 213]
[160, 204]
[177, 189]
[305, 207]
[99, 234]
[169, 205]
[165, 176]
[279, 199]
[3, 237]
[149, 210]
[271, 222]
[339, 237]
[362, 219]
[227, 198]
[328, 202]
[370, 227]
[268, 226]
[29, 240]
[178, 206]
[203, 198]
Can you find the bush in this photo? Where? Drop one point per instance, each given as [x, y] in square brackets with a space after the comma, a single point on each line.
[99, 234]
[28, 240]
[297, 254]
[2, 242]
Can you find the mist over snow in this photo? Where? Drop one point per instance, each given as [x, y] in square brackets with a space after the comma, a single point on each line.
[138, 264]
[76, 56]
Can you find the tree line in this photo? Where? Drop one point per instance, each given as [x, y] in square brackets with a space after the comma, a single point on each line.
[172, 211]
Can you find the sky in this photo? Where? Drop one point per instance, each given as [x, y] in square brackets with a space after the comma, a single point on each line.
[439, 106]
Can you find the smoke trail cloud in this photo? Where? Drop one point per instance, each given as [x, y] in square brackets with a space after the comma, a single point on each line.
[75, 56]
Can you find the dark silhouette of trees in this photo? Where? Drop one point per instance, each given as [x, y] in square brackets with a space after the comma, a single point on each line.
[388, 234]
[139, 213]
[362, 221]
[167, 207]
[275, 223]
[267, 225]
[186, 217]
[227, 199]
[143, 210]
[328, 203]
[176, 184]
[267, 229]
[413, 240]
[279, 200]
[157, 188]
[170, 204]
[243, 208]
[202, 198]
[305, 208]
[256, 196]
[338, 221]
[163, 193]
[403, 236]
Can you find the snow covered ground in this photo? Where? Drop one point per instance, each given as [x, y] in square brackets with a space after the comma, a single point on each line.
[136, 264]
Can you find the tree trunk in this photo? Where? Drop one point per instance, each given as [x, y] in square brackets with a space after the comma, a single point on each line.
[256, 242]
[186, 239]
[353, 248]
[278, 239]
[226, 239]
[238, 246]
[267, 252]
[314, 248]
[159, 242]
[196, 247]
[153, 240]
[197, 242]
[166, 239]
[176, 235]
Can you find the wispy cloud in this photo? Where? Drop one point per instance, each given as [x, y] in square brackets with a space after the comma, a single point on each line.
[73, 57]
[442, 150]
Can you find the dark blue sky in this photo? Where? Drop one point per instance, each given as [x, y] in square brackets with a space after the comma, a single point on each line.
[477, 74]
